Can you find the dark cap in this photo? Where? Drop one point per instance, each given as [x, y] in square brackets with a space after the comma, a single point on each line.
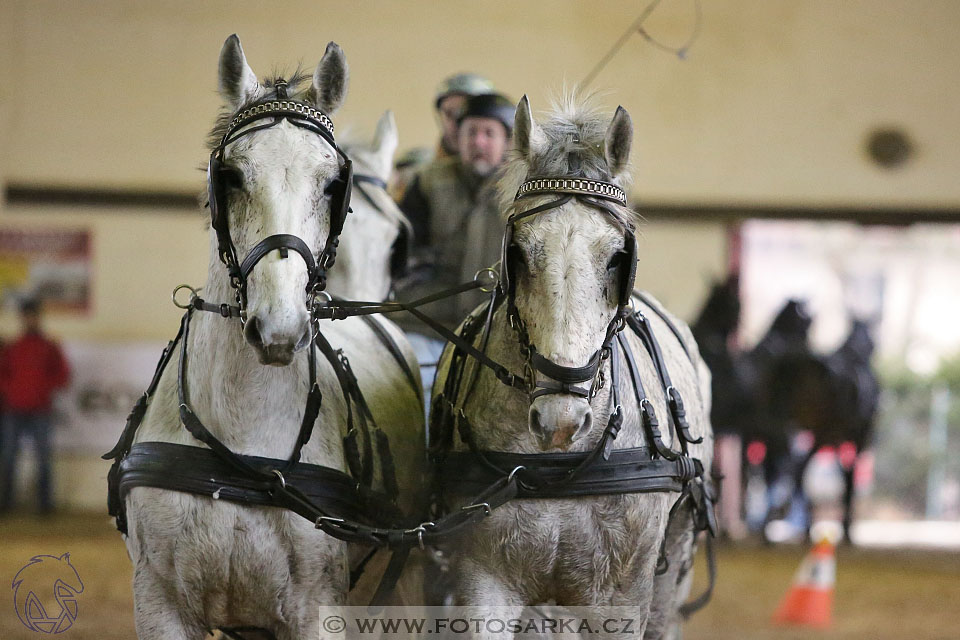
[490, 105]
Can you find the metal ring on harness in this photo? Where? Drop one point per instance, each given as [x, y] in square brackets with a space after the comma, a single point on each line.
[177, 289]
[283, 481]
[494, 279]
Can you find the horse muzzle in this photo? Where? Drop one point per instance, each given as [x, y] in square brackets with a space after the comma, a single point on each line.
[559, 421]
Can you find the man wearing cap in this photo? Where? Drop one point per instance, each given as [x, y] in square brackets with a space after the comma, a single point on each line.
[452, 205]
[452, 95]
[32, 367]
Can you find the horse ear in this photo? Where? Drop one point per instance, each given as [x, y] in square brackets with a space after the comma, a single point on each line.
[65, 557]
[617, 143]
[527, 136]
[237, 82]
[385, 138]
[330, 79]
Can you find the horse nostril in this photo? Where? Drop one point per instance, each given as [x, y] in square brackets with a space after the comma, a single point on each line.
[585, 425]
[252, 331]
[535, 425]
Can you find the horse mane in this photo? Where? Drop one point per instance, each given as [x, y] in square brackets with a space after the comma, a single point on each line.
[299, 87]
[572, 134]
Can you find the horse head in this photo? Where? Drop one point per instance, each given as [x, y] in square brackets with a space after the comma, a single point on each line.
[569, 268]
[276, 175]
[373, 250]
[721, 312]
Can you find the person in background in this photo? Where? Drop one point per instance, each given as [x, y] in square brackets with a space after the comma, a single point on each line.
[405, 169]
[32, 367]
[451, 99]
[452, 205]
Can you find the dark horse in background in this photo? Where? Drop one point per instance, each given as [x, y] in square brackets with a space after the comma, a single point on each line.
[835, 398]
[781, 387]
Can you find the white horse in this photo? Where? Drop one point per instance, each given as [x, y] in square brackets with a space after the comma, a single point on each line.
[200, 562]
[375, 235]
[567, 269]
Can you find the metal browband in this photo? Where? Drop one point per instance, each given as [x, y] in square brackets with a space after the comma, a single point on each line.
[287, 107]
[580, 186]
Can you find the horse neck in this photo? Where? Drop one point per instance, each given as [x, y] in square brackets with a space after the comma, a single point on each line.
[356, 276]
[252, 408]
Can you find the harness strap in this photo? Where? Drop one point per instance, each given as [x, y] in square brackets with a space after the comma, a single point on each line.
[648, 416]
[201, 471]
[627, 471]
[387, 340]
[641, 326]
[282, 241]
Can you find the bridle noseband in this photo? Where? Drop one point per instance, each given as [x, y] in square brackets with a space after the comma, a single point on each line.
[563, 379]
[306, 117]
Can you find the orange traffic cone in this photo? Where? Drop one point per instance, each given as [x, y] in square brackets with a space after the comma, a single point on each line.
[809, 602]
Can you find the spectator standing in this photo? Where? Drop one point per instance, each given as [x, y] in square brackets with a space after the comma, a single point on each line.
[32, 367]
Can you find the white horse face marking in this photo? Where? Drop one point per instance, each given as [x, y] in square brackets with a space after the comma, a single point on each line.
[568, 278]
[281, 177]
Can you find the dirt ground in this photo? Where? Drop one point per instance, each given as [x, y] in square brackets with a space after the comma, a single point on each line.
[880, 595]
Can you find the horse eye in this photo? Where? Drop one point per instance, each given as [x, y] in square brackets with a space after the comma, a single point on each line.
[615, 260]
[231, 177]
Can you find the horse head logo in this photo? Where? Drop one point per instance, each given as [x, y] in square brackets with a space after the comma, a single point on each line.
[45, 593]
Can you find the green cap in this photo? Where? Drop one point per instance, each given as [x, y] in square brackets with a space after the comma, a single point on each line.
[467, 84]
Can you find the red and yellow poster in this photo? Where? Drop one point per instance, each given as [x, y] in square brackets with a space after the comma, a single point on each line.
[51, 264]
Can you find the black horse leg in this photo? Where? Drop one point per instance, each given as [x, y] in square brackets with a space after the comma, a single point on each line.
[848, 501]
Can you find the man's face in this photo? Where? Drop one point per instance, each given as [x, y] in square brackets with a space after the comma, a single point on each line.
[449, 111]
[483, 143]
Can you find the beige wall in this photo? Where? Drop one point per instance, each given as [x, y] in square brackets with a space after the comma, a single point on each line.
[772, 104]
[138, 256]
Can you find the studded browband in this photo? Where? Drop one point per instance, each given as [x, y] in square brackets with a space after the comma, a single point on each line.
[578, 186]
[284, 107]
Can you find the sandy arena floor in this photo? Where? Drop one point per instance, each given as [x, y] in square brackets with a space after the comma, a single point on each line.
[880, 595]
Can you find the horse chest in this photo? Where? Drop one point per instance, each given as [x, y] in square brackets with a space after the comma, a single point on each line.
[594, 540]
[225, 557]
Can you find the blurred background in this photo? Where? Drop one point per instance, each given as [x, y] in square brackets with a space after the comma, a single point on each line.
[810, 148]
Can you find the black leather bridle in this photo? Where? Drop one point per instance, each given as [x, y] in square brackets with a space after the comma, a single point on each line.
[306, 117]
[563, 379]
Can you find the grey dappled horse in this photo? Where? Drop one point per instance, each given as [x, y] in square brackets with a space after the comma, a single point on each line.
[593, 550]
[201, 562]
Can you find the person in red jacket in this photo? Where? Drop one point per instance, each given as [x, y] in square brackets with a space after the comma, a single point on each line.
[32, 367]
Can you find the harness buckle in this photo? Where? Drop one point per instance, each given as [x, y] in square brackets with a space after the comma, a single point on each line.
[419, 530]
[327, 519]
[515, 471]
[598, 382]
[283, 481]
[481, 505]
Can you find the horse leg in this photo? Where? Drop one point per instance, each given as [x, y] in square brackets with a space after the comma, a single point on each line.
[848, 502]
[157, 616]
[478, 587]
